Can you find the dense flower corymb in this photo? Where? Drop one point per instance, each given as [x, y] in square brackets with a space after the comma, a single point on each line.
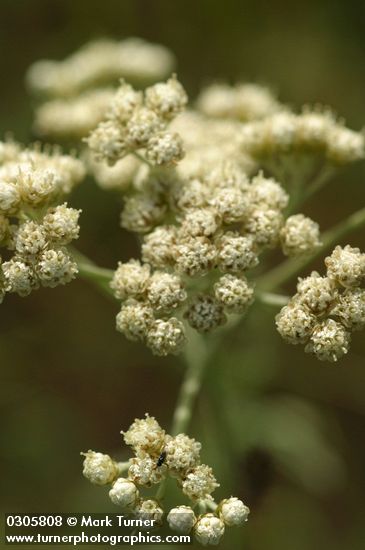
[158, 455]
[327, 309]
[34, 229]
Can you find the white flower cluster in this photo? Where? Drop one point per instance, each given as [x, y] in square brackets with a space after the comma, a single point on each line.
[327, 309]
[138, 121]
[299, 236]
[76, 86]
[286, 133]
[118, 177]
[34, 232]
[209, 142]
[204, 222]
[242, 102]
[101, 61]
[158, 455]
[200, 237]
[72, 118]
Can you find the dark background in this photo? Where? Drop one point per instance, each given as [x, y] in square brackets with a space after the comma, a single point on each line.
[283, 431]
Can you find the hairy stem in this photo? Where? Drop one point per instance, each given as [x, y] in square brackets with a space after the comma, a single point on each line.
[288, 269]
[271, 299]
[98, 276]
[197, 354]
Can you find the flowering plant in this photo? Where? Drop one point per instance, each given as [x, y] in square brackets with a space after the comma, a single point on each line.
[210, 190]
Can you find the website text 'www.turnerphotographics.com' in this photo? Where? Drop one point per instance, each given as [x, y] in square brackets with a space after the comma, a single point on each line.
[80, 529]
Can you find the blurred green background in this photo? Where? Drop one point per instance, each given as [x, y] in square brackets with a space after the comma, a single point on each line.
[282, 431]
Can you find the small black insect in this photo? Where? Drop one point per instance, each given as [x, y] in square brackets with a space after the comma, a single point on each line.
[161, 459]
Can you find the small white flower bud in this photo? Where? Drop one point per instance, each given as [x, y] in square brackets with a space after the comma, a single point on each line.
[166, 337]
[30, 239]
[346, 266]
[192, 194]
[199, 483]
[345, 146]
[18, 277]
[231, 204]
[124, 103]
[313, 129]
[134, 320]
[194, 256]
[124, 493]
[107, 142]
[165, 291]
[157, 247]
[209, 529]
[199, 222]
[61, 224]
[279, 132]
[300, 235]
[145, 435]
[181, 519]
[350, 308]
[329, 341]
[100, 469]
[236, 253]
[232, 511]
[264, 225]
[243, 101]
[234, 293]
[55, 267]
[167, 99]
[165, 148]
[36, 186]
[266, 192]
[149, 510]
[143, 471]
[141, 127]
[130, 280]
[227, 174]
[316, 292]
[182, 454]
[205, 313]
[142, 212]
[9, 197]
[295, 322]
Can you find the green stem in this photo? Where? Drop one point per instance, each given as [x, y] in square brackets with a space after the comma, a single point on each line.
[197, 356]
[288, 269]
[271, 299]
[142, 158]
[99, 276]
[323, 176]
[122, 467]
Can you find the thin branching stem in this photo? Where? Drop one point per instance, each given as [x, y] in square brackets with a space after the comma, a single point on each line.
[142, 158]
[196, 354]
[98, 276]
[271, 299]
